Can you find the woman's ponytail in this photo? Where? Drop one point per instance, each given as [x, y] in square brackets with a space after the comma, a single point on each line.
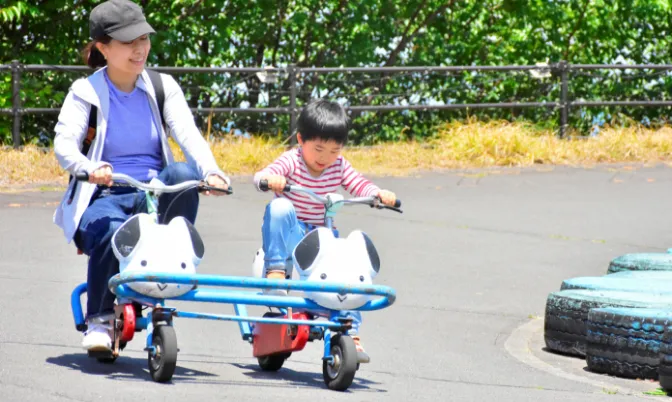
[92, 56]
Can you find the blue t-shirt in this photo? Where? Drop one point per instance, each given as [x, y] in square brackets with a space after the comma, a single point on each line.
[132, 143]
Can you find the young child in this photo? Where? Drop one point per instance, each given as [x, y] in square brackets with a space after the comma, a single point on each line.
[316, 164]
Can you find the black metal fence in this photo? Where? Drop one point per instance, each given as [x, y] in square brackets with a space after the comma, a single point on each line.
[560, 70]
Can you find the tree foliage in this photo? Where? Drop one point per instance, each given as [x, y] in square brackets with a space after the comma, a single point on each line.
[333, 33]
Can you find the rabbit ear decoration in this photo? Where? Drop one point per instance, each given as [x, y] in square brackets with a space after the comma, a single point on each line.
[360, 243]
[178, 226]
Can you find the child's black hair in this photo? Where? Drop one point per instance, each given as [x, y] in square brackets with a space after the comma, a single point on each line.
[325, 120]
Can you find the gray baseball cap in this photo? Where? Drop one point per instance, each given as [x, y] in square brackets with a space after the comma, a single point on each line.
[122, 20]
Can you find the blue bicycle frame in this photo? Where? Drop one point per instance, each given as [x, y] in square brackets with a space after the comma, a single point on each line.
[336, 322]
[239, 299]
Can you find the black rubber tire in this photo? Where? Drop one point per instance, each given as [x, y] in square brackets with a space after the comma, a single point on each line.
[162, 367]
[665, 364]
[272, 362]
[665, 377]
[106, 360]
[626, 342]
[639, 283]
[567, 313]
[641, 262]
[648, 275]
[345, 353]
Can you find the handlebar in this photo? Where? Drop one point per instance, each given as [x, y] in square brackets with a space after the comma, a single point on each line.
[157, 187]
[373, 201]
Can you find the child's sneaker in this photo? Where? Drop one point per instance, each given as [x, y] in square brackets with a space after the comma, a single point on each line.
[97, 338]
[362, 356]
[278, 275]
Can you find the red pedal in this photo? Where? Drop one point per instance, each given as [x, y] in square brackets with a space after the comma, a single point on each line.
[269, 339]
[128, 326]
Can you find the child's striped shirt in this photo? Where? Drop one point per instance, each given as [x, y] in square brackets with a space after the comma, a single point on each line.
[291, 165]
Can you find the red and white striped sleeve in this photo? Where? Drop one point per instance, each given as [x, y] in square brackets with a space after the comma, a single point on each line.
[355, 183]
[284, 166]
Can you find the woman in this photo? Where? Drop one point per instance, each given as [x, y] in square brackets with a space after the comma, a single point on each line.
[129, 139]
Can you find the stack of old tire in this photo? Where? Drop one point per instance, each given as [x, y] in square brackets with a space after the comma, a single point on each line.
[621, 323]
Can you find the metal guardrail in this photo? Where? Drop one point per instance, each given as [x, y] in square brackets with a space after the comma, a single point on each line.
[561, 69]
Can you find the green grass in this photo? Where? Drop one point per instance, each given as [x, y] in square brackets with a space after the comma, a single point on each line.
[658, 392]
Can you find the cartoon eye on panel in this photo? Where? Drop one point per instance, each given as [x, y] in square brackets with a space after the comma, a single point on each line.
[126, 238]
[308, 249]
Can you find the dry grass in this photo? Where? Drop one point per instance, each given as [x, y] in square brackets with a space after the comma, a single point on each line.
[504, 144]
[30, 166]
[457, 145]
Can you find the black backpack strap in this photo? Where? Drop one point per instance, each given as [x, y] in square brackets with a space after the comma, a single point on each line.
[91, 131]
[157, 83]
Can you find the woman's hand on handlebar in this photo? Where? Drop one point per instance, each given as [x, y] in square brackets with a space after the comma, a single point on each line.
[102, 175]
[216, 181]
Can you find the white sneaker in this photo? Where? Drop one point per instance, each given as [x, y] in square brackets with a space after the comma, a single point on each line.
[97, 338]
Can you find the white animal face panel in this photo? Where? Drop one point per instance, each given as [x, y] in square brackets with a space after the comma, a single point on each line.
[321, 257]
[144, 246]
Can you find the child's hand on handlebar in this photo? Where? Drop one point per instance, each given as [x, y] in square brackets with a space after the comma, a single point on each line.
[102, 175]
[276, 182]
[214, 180]
[387, 197]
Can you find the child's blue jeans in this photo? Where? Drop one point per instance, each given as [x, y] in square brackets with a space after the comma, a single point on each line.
[281, 232]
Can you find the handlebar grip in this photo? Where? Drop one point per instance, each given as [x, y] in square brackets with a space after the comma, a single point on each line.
[263, 186]
[211, 188]
[82, 176]
[397, 203]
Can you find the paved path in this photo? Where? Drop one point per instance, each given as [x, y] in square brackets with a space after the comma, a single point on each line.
[472, 259]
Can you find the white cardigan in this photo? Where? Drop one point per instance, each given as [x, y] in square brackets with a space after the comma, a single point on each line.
[73, 123]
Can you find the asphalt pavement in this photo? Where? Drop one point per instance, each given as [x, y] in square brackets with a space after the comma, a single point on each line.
[472, 259]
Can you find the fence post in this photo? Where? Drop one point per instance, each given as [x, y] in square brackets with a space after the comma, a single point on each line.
[564, 104]
[16, 103]
[291, 70]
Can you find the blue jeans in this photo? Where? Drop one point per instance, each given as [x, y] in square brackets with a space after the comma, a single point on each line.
[111, 207]
[281, 231]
